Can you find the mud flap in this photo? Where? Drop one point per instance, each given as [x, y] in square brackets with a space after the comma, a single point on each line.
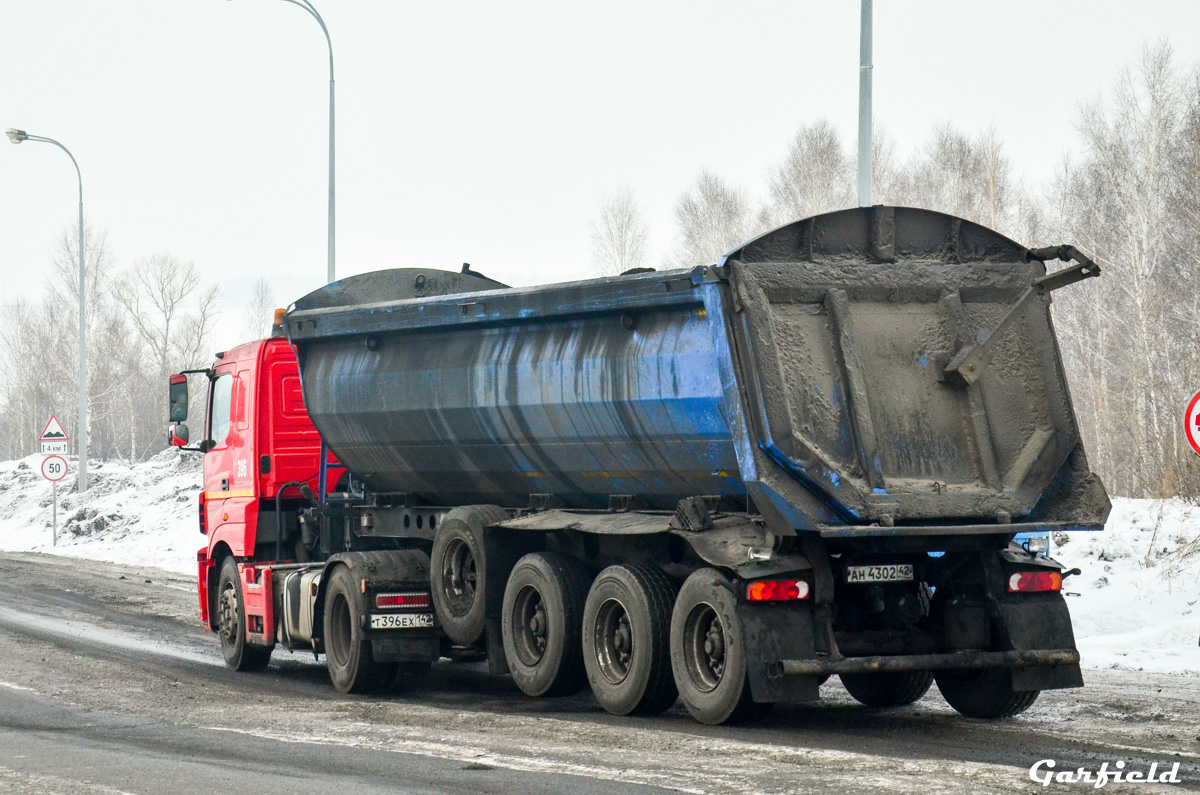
[1031, 621]
[774, 632]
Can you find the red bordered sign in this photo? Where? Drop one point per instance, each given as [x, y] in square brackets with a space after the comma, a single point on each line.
[54, 467]
[1191, 422]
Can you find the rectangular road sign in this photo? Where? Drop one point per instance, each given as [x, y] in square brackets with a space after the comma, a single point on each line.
[55, 448]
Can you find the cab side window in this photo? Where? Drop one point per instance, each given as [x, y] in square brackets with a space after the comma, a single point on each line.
[222, 403]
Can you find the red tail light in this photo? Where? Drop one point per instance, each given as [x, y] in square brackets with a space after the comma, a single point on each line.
[402, 600]
[1035, 581]
[777, 591]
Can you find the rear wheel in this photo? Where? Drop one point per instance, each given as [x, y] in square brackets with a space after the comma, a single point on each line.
[352, 669]
[461, 572]
[984, 694]
[891, 689]
[231, 624]
[707, 653]
[627, 640]
[541, 621]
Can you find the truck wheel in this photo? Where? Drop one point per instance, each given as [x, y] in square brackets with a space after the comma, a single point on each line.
[707, 652]
[352, 669]
[541, 622]
[984, 694]
[890, 689]
[231, 624]
[460, 570]
[627, 640]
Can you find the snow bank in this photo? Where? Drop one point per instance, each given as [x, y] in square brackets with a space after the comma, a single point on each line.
[1136, 605]
[140, 514]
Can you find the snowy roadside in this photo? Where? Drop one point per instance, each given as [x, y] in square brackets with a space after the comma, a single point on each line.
[1136, 605]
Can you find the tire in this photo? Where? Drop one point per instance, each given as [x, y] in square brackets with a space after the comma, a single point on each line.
[627, 640]
[461, 572]
[984, 694]
[541, 622]
[231, 623]
[708, 656]
[890, 689]
[352, 669]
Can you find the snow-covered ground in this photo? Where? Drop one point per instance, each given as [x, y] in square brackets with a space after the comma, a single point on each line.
[1136, 605]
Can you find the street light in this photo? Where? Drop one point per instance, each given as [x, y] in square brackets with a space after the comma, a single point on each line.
[310, 8]
[17, 136]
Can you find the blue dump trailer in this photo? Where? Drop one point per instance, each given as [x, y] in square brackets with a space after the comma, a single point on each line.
[723, 484]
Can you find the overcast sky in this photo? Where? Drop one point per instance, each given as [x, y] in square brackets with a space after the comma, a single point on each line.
[487, 132]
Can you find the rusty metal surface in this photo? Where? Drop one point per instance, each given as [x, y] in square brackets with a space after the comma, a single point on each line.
[964, 660]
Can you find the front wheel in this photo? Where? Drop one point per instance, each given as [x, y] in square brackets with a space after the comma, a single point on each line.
[231, 624]
[984, 694]
[707, 652]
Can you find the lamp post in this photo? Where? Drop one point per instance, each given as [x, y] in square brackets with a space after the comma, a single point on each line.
[310, 8]
[17, 136]
[865, 68]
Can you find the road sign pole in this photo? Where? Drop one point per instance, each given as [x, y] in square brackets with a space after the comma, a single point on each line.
[54, 489]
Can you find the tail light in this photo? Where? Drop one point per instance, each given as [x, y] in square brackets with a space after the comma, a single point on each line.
[384, 600]
[1035, 581]
[777, 591]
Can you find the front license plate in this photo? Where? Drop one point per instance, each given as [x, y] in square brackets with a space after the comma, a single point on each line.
[402, 621]
[901, 572]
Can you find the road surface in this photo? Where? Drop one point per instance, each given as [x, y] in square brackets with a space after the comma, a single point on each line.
[108, 684]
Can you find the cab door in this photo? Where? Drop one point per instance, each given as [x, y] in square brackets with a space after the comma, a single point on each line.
[228, 478]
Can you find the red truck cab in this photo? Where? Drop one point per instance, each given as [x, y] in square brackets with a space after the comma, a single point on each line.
[258, 439]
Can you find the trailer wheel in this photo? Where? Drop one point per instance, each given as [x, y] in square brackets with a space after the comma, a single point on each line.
[890, 689]
[231, 623]
[984, 694]
[460, 570]
[627, 640]
[352, 669]
[707, 652]
[541, 623]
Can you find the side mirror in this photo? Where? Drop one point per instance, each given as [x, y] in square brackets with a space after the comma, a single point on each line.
[177, 395]
[179, 435]
[206, 445]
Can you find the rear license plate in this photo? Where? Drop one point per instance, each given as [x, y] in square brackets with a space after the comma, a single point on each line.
[402, 621]
[901, 572]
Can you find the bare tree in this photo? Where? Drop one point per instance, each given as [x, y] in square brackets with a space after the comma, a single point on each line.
[619, 235]
[259, 313]
[170, 310]
[816, 175]
[712, 218]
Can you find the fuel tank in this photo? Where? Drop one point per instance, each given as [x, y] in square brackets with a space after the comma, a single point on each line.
[835, 372]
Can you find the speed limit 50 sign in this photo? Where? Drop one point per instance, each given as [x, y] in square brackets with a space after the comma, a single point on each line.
[1191, 423]
[54, 468]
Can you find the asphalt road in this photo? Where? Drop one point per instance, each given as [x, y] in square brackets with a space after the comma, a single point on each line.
[107, 684]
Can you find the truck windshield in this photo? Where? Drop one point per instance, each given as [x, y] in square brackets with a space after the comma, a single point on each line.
[222, 400]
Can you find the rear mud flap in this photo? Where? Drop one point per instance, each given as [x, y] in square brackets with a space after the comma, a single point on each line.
[1031, 622]
[773, 632]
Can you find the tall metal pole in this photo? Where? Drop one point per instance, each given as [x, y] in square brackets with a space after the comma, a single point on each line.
[865, 67]
[310, 8]
[17, 136]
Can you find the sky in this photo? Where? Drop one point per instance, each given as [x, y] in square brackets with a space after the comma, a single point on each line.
[488, 132]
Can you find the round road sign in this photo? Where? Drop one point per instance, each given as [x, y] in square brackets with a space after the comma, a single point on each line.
[1191, 422]
[54, 467]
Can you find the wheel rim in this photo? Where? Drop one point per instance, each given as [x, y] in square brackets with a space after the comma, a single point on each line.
[530, 629]
[338, 642]
[704, 647]
[613, 640]
[459, 577]
[227, 614]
